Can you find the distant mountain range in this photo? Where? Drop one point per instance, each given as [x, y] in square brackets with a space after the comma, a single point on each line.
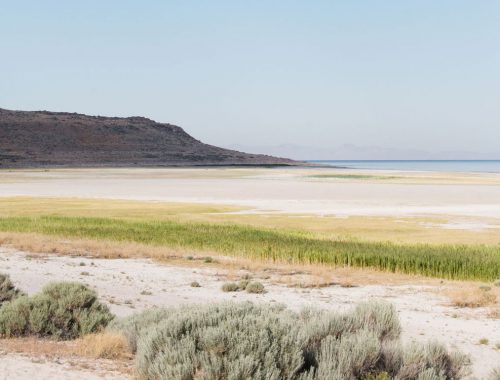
[354, 152]
[59, 139]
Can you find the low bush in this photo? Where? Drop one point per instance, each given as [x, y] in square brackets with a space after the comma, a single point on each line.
[134, 326]
[255, 287]
[64, 310]
[230, 287]
[195, 284]
[7, 289]
[431, 361]
[247, 341]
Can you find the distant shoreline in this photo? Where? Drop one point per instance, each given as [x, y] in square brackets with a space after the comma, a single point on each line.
[466, 166]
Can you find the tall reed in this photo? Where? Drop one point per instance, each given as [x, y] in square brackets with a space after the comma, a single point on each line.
[466, 262]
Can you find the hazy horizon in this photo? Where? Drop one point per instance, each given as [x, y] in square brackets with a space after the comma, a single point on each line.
[394, 79]
[352, 152]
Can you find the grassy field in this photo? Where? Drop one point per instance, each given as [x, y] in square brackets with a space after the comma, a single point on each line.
[401, 230]
[404, 246]
[466, 262]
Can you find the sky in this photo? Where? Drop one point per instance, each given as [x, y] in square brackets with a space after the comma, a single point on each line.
[416, 74]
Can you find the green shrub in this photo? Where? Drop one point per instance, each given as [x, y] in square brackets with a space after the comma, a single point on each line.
[350, 357]
[14, 317]
[195, 284]
[255, 287]
[247, 341]
[7, 289]
[431, 361]
[136, 325]
[226, 341]
[378, 317]
[63, 310]
[230, 287]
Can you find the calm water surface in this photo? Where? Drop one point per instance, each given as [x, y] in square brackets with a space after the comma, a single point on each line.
[485, 166]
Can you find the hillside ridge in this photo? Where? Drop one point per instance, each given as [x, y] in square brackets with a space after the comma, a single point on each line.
[64, 139]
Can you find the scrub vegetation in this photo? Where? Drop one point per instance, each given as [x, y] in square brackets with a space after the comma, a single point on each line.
[465, 262]
[247, 341]
[233, 340]
[7, 289]
[64, 310]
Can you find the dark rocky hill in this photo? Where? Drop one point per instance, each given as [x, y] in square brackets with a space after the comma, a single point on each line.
[56, 139]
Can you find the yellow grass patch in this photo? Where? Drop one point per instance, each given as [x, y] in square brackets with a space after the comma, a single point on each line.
[70, 351]
[478, 296]
[34, 206]
[104, 346]
[394, 229]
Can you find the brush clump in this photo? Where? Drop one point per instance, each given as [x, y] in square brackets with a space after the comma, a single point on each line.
[255, 287]
[230, 287]
[8, 291]
[64, 310]
[247, 341]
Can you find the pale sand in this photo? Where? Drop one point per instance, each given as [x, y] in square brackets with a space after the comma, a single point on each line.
[21, 367]
[289, 191]
[425, 315]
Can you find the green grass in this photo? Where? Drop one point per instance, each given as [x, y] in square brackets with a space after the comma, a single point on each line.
[466, 262]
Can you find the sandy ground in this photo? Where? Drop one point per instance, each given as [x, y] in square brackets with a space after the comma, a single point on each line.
[130, 285]
[15, 366]
[276, 190]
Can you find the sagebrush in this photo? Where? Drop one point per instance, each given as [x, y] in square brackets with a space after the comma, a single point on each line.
[64, 310]
[230, 287]
[247, 341]
[7, 289]
[255, 287]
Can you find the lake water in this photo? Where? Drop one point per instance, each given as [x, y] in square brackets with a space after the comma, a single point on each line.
[485, 166]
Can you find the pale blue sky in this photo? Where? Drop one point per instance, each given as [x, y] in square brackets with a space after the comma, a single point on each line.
[412, 74]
